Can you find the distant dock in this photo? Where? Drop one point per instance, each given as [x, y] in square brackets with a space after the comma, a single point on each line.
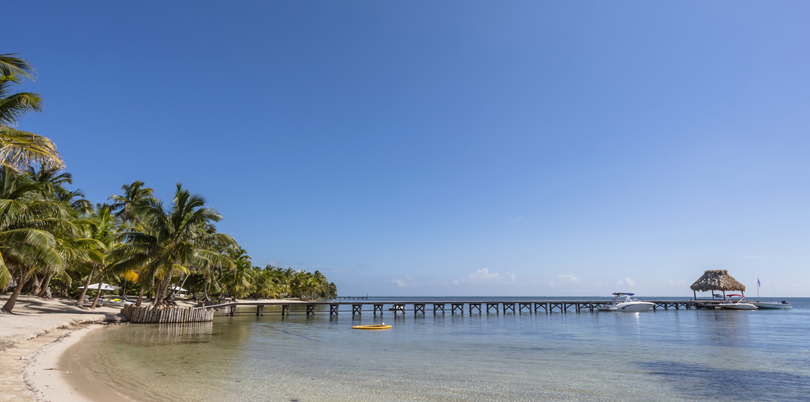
[417, 308]
[453, 307]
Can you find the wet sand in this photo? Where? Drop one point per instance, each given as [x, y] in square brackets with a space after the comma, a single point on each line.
[31, 343]
[55, 375]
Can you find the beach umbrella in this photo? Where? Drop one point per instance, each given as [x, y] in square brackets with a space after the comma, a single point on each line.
[104, 286]
[177, 288]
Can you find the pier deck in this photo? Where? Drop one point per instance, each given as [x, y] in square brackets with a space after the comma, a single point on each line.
[417, 308]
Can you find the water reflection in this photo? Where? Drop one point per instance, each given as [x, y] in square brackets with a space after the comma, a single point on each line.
[725, 327]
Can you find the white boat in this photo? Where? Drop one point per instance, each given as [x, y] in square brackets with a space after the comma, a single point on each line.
[629, 304]
[736, 304]
[774, 305]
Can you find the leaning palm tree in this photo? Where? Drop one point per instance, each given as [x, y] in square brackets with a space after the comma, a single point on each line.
[51, 183]
[173, 241]
[27, 224]
[19, 149]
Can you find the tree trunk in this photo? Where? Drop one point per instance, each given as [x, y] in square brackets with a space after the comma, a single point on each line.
[12, 300]
[98, 293]
[205, 291]
[37, 285]
[140, 297]
[45, 284]
[160, 293]
[182, 283]
[80, 299]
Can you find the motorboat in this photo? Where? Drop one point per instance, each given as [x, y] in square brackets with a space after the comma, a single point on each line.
[628, 304]
[774, 305]
[372, 327]
[737, 304]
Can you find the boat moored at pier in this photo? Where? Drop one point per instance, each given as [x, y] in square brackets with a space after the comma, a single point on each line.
[774, 305]
[736, 304]
[629, 304]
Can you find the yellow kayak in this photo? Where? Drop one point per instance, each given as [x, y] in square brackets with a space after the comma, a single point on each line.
[372, 327]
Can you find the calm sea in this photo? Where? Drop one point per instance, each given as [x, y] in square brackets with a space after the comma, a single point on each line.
[683, 355]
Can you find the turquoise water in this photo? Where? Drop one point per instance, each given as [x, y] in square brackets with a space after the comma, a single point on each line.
[682, 355]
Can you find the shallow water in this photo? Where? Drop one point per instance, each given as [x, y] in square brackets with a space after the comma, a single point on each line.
[673, 355]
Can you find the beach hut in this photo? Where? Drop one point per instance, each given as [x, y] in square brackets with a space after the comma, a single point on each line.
[716, 280]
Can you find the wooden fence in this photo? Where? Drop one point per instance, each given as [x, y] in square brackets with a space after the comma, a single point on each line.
[147, 314]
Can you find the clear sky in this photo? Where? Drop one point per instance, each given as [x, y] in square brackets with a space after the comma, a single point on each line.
[451, 147]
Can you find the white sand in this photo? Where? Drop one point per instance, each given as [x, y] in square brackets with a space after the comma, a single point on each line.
[40, 332]
[31, 342]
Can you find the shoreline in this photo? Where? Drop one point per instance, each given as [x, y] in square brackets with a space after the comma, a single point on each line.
[37, 372]
[49, 378]
[34, 339]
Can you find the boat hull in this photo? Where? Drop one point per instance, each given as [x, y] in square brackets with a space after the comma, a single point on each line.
[741, 306]
[628, 307]
[774, 306]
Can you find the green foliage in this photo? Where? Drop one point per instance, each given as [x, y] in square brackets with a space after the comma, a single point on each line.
[20, 149]
[48, 231]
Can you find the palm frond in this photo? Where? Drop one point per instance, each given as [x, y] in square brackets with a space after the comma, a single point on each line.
[12, 65]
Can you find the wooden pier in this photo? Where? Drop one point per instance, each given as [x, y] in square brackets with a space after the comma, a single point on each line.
[205, 313]
[419, 308]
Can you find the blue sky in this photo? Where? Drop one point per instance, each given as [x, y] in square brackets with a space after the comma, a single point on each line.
[451, 148]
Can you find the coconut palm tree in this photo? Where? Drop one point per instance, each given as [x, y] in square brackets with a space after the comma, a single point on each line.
[173, 241]
[27, 224]
[19, 149]
[134, 195]
[239, 279]
[103, 227]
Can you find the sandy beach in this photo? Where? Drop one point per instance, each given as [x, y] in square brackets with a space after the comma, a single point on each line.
[35, 344]
[33, 339]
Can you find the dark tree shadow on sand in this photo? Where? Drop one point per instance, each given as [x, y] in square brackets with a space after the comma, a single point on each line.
[700, 382]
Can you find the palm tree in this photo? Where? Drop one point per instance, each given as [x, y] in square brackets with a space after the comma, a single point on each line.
[21, 148]
[102, 226]
[27, 224]
[135, 195]
[51, 184]
[174, 240]
[238, 279]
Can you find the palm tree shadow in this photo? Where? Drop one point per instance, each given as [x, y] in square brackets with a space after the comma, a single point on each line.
[63, 306]
[695, 381]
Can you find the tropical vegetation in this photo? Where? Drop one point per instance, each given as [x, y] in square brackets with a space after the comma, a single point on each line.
[53, 240]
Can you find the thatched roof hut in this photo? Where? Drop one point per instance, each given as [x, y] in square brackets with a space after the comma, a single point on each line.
[717, 280]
